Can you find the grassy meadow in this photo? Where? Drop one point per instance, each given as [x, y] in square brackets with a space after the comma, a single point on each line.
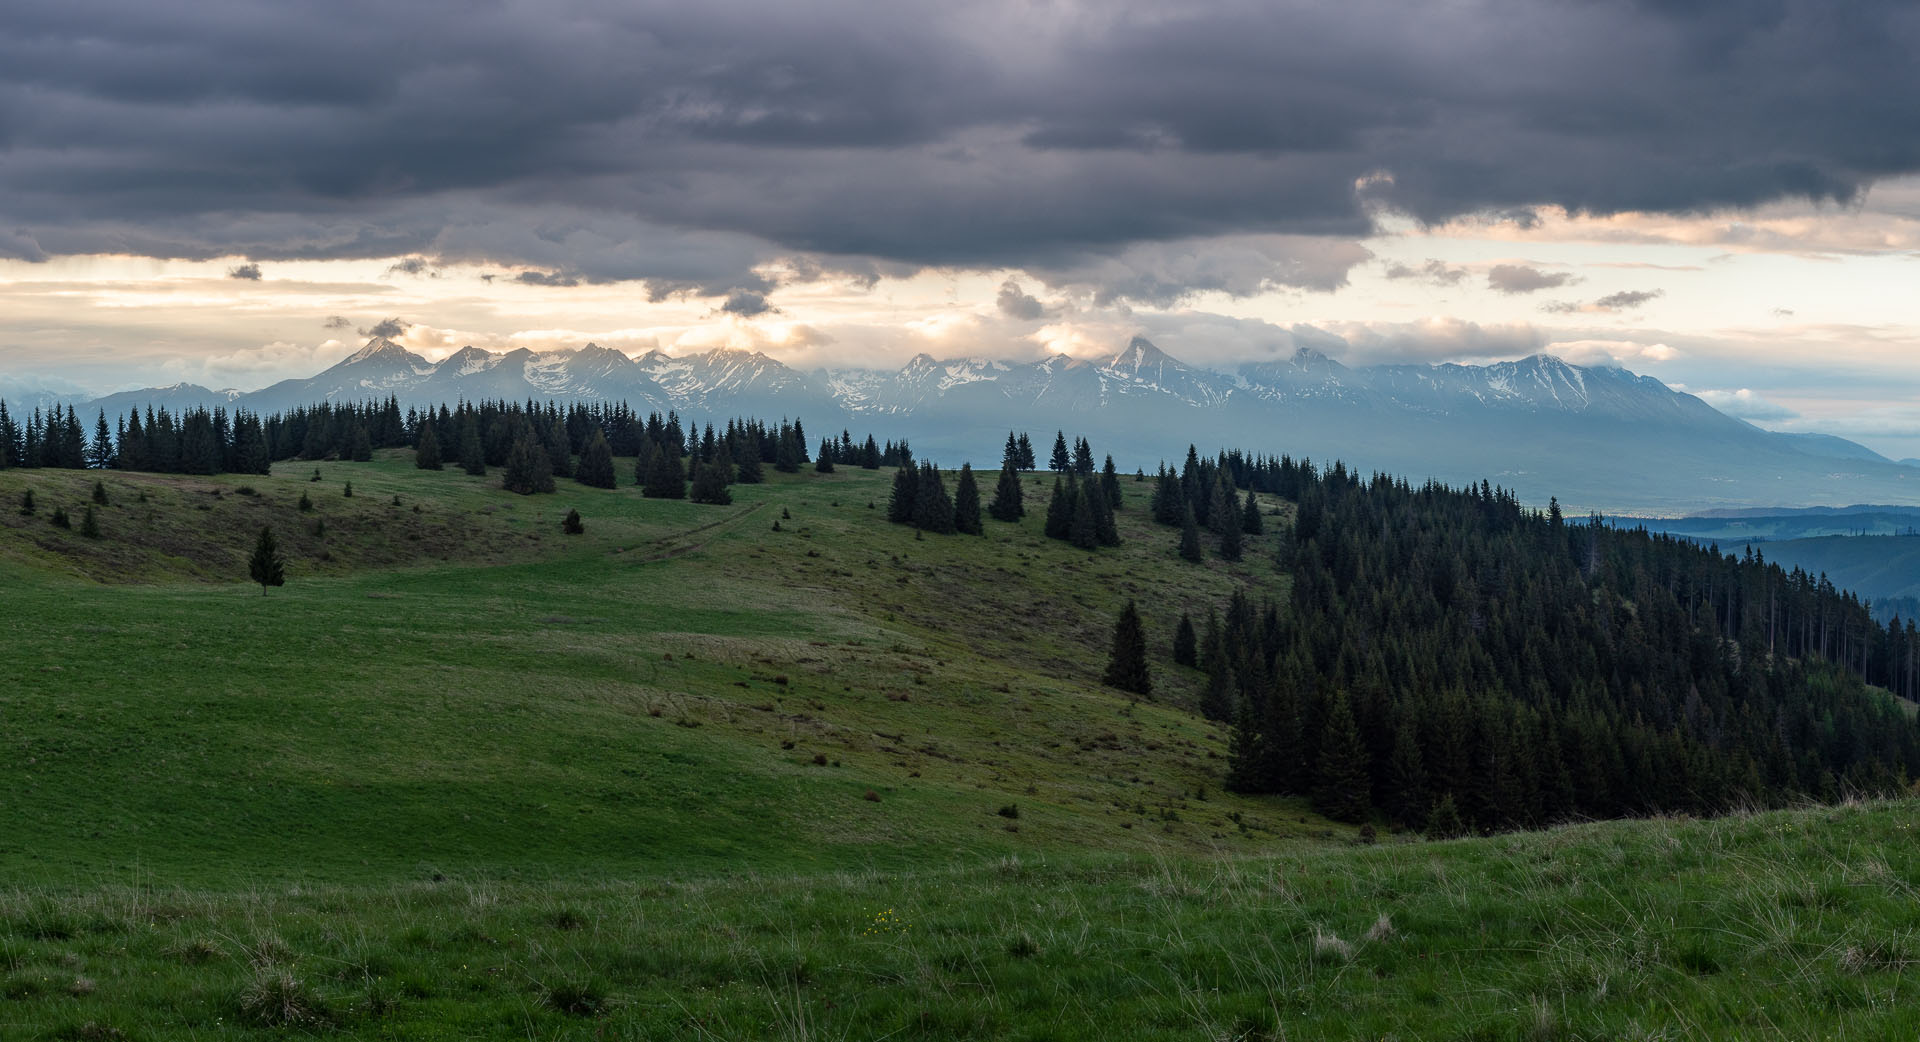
[777, 770]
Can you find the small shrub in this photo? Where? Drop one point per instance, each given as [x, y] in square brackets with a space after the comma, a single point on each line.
[571, 524]
[60, 519]
[566, 919]
[89, 525]
[1022, 947]
[246, 490]
[306, 503]
[776, 526]
[396, 499]
[316, 474]
[196, 951]
[26, 503]
[349, 491]
[277, 999]
[586, 998]
[784, 516]
[1011, 810]
[819, 759]
[871, 796]
[99, 493]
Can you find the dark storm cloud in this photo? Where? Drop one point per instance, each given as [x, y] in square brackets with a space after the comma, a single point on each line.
[547, 278]
[336, 322]
[248, 272]
[746, 304]
[1435, 271]
[685, 146]
[391, 327]
[1016, 303]
[1520, 278]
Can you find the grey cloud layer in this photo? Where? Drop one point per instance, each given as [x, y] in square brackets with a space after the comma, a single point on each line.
[689, 146]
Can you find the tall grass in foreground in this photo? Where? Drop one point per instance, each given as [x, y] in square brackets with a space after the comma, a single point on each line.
[1792, 925]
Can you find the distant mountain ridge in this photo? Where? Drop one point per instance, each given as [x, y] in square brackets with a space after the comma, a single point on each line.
[1594, 436]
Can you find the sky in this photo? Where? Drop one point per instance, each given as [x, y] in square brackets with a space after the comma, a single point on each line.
[1724, 196]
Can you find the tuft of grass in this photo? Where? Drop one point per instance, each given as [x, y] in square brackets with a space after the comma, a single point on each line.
[585, 997]
[275, 998]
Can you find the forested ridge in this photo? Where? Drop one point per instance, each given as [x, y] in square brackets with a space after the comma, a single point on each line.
[1451, 660]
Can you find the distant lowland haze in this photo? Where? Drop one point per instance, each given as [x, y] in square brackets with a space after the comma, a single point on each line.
[1720, 197]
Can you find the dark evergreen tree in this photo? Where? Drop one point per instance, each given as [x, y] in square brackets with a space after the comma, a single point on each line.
[1250, 519]
[1230, 542]
[100, 493]
[26, 503]
[1444, 821]
[966, 503]
[59, 518]
[933, 508]
[1190, 538]
[749, 471]
[1127, 664]
[596, 462]
[266, 566]
[473, 458]
[1059, 513]
[100, 451]
[905, 496]
[710, 484]
[529, 468]
[1082, 458]
[571, 524]
[665, 477]
[1404, 795]
[89, 524]
[1083, 530]
[1007, 502]
[426, 448]
[823, 461]
[1027, 460]
[1185, 645]
[1061, 462]
[1110, 484]
[1341, 781]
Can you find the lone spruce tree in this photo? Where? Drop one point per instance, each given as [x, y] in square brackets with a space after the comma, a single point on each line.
[966, 503]
[1185, 643]
[265, 566]
[1007, 504]
[710, 484]
[426, 451]
[1127, 665]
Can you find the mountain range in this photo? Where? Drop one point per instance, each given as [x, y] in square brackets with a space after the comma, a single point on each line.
[1597, 437]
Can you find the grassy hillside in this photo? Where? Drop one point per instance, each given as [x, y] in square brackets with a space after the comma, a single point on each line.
[690, 776]
[451, 682]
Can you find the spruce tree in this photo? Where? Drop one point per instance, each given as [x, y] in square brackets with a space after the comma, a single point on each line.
[473, 453]
[1223, 510]
[596, 462]
[1027, 460]
[1010, 456]
[1444, 821]
[710, 484]
[905, 496]
[59, 518]
[1060, 463]
[665, 478]
[1110, 484]
[89, 524]
[1230, 541]
[265, 566]
[571, 524]
[1007, 505]
[1084, 529]
[1127, 664]
[1341, 780]
[100, 493]
[559, 450]
[933, 508]
[1082, 458]
[643, 462]
[1059, 513]
[823, 463]
[426, 449]
[1250, 519]
[1405, 793]
[26, 503]
[1104, 531]
[1185, 645]
[529, 468]
[1190, 538]
[1245, 754]
[749, 471]
[966, 503]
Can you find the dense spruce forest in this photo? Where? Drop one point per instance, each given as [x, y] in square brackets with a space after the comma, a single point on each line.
[1454, 662]
[1440, 658]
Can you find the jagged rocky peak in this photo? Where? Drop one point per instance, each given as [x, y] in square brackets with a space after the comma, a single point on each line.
[1141, 353]
[379, 348]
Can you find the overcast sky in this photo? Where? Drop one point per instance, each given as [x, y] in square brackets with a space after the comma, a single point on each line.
[1722, 195]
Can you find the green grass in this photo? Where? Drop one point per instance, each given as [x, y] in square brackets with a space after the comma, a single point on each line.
[685, 776]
